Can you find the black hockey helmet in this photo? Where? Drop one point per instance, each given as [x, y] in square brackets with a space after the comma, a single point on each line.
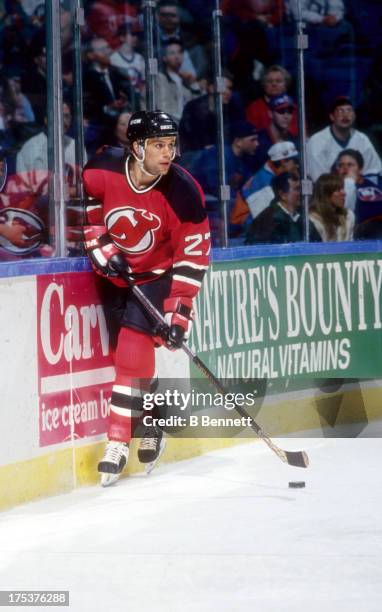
[148, 124]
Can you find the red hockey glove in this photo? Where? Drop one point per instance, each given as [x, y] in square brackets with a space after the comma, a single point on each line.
[100, 250]
[179, 316]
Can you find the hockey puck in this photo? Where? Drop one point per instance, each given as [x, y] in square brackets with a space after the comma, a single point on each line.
[297, 484]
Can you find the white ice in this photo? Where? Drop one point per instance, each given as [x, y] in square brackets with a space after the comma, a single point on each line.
[220, 532]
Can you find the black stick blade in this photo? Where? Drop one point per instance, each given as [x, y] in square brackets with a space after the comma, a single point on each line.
[297, 458]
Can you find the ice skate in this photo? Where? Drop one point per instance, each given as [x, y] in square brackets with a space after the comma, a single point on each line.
[151, 465]
[113, 462]
[151, 447]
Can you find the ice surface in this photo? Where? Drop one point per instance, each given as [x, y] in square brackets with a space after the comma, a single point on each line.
[220, 532]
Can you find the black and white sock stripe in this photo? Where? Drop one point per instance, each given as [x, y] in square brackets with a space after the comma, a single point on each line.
[126, 401]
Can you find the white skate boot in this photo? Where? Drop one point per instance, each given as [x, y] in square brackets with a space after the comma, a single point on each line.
[113, 462]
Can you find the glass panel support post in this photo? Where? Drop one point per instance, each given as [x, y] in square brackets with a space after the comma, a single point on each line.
[55, 126]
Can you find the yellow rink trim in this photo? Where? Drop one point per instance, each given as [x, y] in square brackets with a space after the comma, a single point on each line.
[322, 411]
[52, 473]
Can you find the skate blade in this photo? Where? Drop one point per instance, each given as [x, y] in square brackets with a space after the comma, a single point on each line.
[108, 479]
[150, 466]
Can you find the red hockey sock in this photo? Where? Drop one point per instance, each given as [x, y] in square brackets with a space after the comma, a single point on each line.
[135, 366]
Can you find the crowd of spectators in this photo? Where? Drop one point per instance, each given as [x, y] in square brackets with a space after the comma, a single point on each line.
[260, 107]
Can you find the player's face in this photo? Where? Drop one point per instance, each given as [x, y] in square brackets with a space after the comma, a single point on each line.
[159, 154]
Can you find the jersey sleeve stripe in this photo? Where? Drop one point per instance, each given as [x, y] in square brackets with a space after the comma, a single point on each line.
[189, 264]
[196, 275]
[186, 279]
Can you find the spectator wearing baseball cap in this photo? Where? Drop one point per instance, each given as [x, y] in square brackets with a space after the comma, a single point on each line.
[282, 151]
[256, 194]
[340, 101]
[280, 113]
[242, 129]
[279, 103]
[275, 82]
[243, 145]
[238, 164]
[324, 147]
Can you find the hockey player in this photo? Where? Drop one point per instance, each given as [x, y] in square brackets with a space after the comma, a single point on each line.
[151, 213]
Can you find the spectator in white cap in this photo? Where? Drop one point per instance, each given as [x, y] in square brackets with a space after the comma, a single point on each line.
[256, 194]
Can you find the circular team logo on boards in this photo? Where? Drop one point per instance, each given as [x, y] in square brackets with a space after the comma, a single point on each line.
[33, 230]
[132, 229]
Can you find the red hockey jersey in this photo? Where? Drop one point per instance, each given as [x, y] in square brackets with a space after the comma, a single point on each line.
[163, 228]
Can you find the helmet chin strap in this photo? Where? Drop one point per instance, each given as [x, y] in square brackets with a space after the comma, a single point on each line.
[143, 169]
[142, 160]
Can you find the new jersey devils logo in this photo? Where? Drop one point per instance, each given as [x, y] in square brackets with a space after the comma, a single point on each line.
[33, 230]
[132, 229]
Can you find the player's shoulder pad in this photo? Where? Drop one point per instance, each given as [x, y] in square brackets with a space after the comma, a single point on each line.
[183, 195]
[111, 159]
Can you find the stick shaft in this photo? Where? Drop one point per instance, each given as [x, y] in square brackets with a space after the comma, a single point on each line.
[298, 458]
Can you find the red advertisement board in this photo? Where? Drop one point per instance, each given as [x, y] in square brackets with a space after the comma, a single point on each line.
[75, 366]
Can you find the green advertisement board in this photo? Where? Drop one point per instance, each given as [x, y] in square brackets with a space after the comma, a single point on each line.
[292, 318]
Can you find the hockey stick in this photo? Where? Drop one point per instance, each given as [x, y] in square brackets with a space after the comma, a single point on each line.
[294, 458]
